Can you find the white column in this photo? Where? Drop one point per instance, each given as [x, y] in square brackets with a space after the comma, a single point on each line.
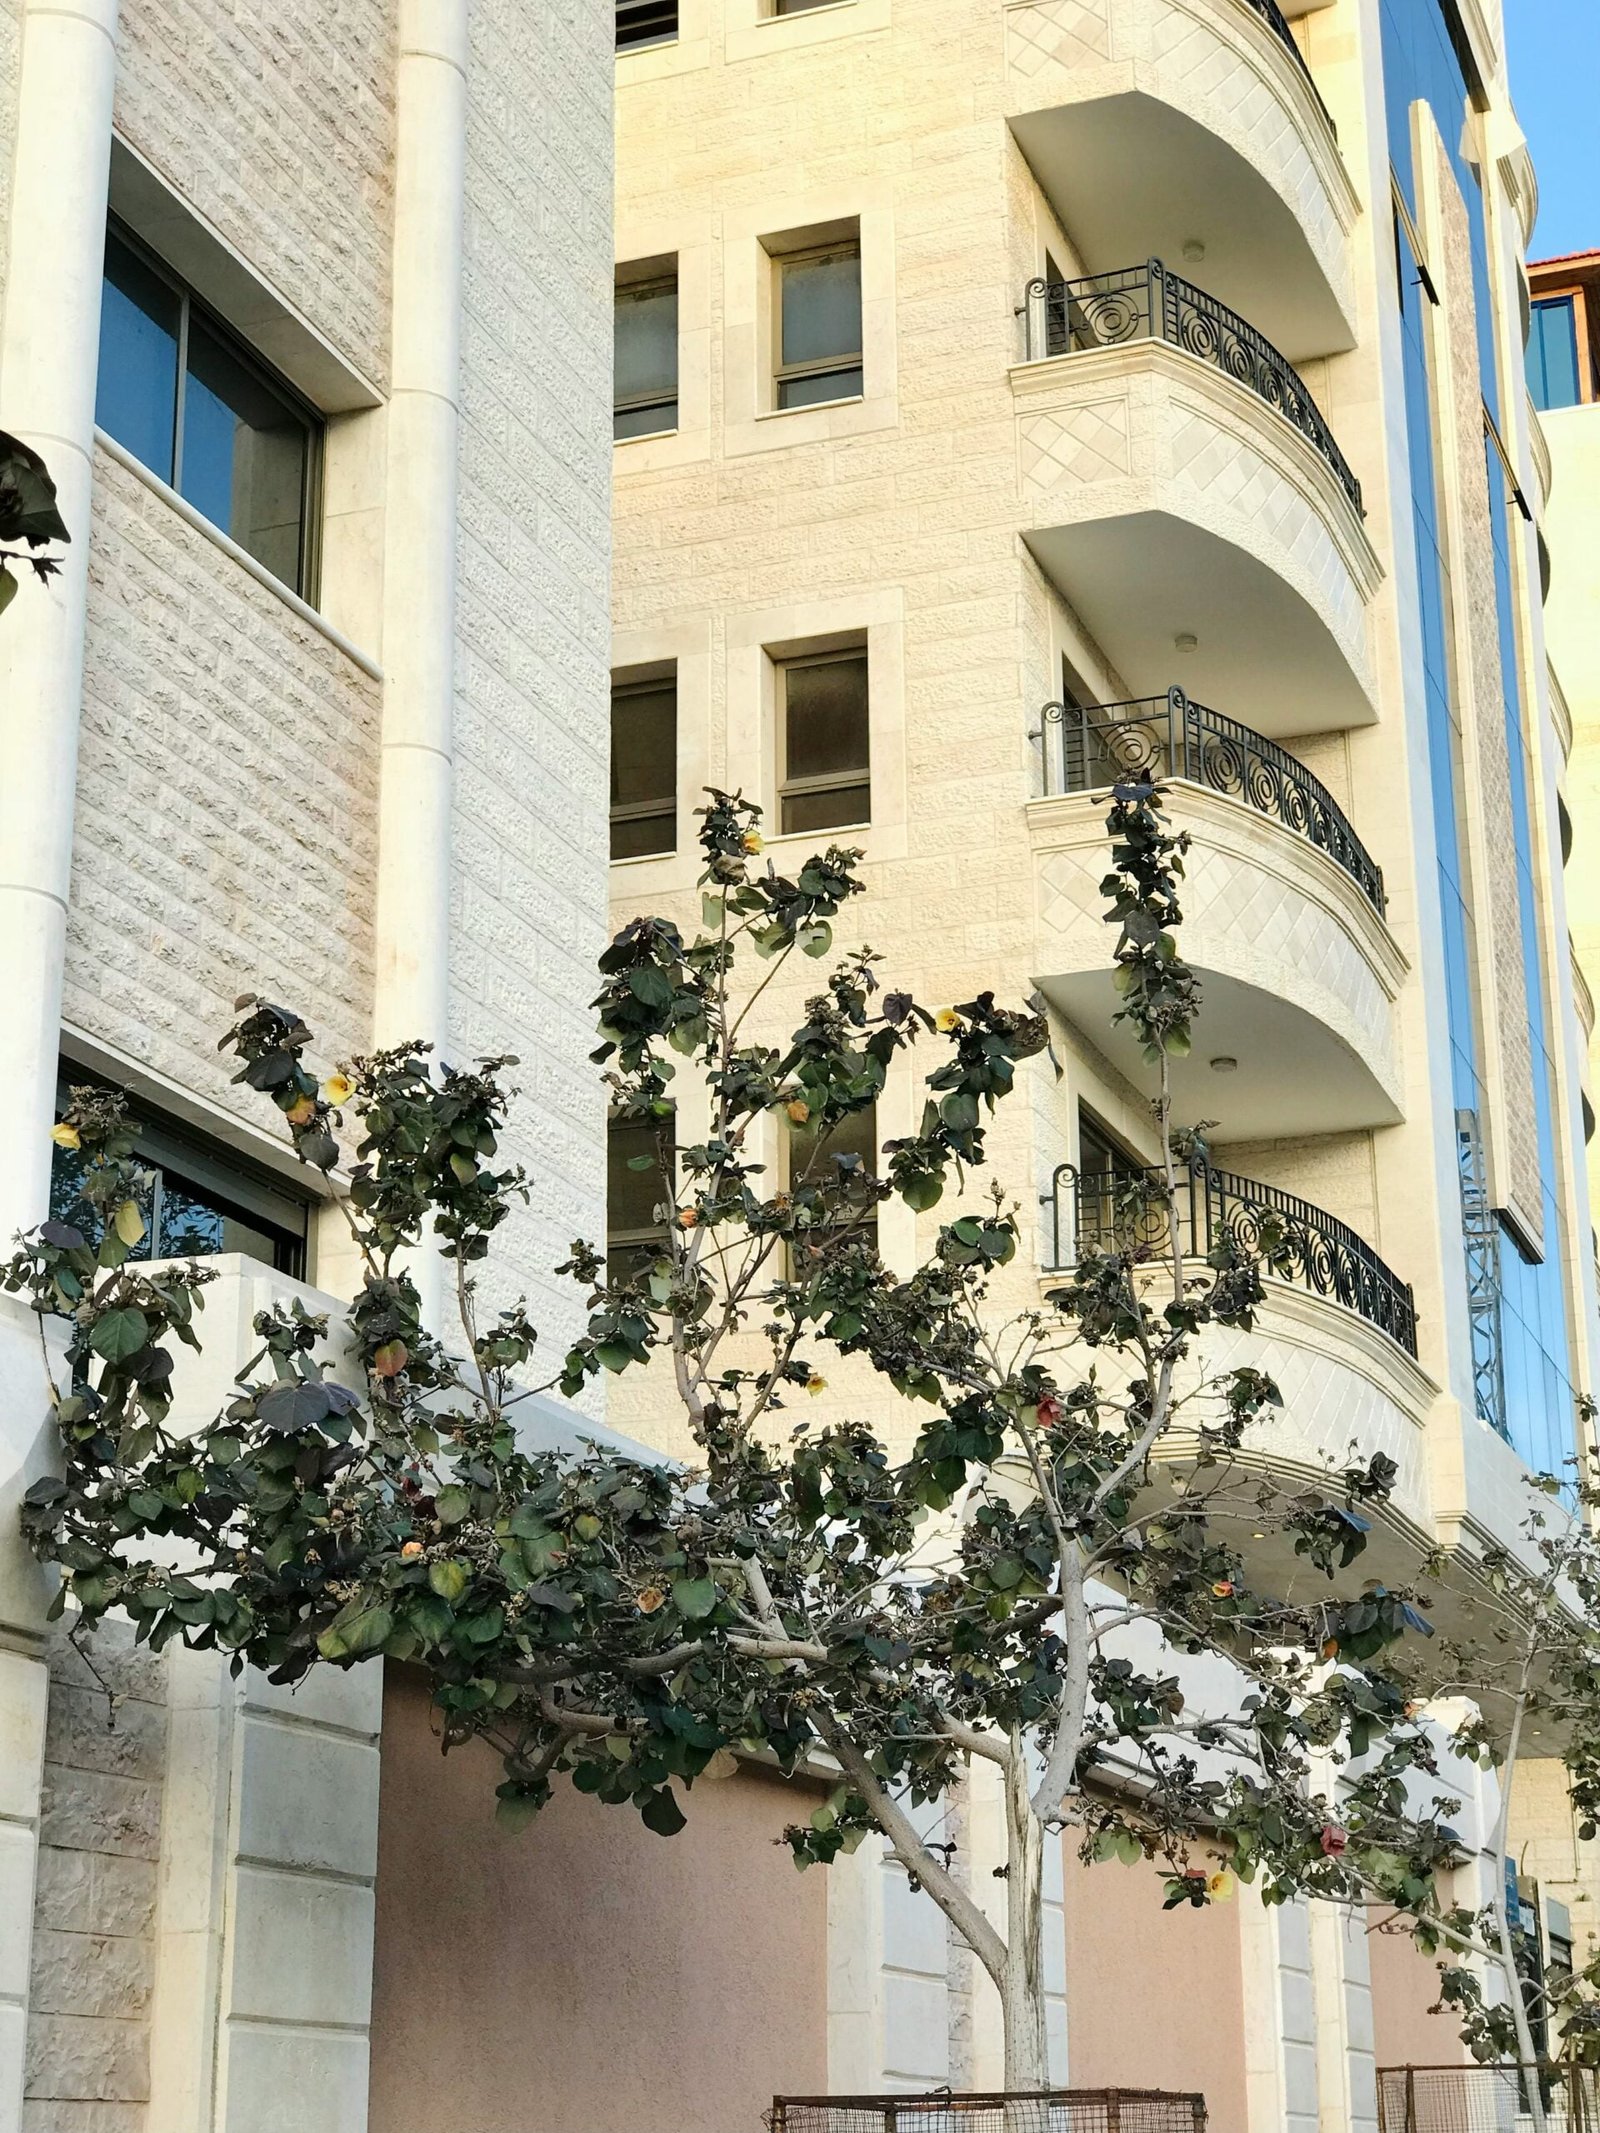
[1280, 2018]
[1341, 1975]
[49, 349]
[419, 592]
[49, 345]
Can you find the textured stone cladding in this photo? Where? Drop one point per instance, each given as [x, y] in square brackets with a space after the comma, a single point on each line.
[277, 124]
[533, 635]
[88, 2048]
[10, 71]
[1500, 940]
[227, 794]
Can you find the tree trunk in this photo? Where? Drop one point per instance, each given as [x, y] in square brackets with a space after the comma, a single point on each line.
[1027, 2050]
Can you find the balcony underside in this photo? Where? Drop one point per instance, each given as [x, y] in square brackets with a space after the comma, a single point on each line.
[1299, 975]
[1177, 183]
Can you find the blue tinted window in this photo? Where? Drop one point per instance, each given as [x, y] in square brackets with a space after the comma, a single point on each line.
[136, 398]
[1553, 354]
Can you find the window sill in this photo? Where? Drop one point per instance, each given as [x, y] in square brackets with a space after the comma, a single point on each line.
[643, 859]
[779, 414]
[802, 14]
[647, 437]
[247, 562]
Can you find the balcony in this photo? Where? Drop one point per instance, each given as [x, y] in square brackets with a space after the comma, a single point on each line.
[1220, 143]
[1298, 1030]
[1178, 470]
[1087, 748]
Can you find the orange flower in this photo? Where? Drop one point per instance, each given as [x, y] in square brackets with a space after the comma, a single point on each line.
[687, 1218]
[410, 1552]
[1223, 1588]
[651, 1599]
[798, 1110]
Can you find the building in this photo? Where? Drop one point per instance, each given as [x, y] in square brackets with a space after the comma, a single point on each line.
[307, 308]
[1011, 390]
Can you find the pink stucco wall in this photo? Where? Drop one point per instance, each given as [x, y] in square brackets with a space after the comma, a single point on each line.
[1404, 1986]
[584, 1976]
[1155, 1999]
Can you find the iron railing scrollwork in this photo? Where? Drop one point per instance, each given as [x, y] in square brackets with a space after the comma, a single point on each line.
[1278, 22]
[1086, 746]
[1149, 303]
[1128, 1211]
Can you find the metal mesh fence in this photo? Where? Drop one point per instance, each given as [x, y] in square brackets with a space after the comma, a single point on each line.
[1060, 2111]
[1487, 2099]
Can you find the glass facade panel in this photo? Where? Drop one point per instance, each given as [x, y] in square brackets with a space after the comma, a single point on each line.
[1531, 1334]
[1553, 354]
[136, 392]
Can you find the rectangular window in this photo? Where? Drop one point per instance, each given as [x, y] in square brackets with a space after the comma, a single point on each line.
[1105, 1170]
[798, 7]
[818, 335]
[198, 1200]
[1553, 354]
[193, 405]
[644, 768]
[645, 22]
[638, 1198]
[814, 1159]
[645, 393]
[823, 742]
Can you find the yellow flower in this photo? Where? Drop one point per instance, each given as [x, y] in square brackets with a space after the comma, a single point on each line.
[302, 1111]
[65, 1136]
[1220, 1886]
[752, 840]
[338, 1088]
[948, 1019]
[814, 1384]
[798, 1111]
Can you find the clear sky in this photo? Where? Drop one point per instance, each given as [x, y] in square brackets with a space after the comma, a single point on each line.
[1554, 51]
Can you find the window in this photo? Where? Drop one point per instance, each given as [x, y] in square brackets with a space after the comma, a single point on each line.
[198, 1200]
[1105, 1170]
[638, 1197]
[644, 768]
[645, 394]
[823, 747]
[1553, 354]
[180, 393]
[645, 22]
[818, 305]
[797, 7]
[813, 1159]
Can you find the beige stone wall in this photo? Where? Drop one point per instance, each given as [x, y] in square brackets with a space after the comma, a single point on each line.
[1549, 1850]
[510, 1968]
[10, 66]
[88, 2039]
[227, 800]
[277, 126]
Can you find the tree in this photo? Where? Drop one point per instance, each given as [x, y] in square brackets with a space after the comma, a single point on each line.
[28, 515]
[1013, 1571]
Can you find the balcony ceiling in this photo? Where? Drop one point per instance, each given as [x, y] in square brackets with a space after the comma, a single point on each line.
[1295, 1075]
[1142, 581]
[1132, 178]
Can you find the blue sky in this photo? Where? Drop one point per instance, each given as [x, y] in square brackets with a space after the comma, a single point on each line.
[1554, 51]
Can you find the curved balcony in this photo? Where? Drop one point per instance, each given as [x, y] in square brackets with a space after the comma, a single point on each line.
[1127, 1211]
[1177, 468]
[1298, 1030]
[1087, 748]
[1221, 146]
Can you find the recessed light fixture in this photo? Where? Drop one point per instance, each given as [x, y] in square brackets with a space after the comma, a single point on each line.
[1187, 641]
[1193, 248]
[1224, 1065]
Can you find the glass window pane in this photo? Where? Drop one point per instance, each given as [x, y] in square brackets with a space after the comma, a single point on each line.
[1553, 354]
[825, 717]
[644, 836]
[67, 1203]
[821, 308]
[136, 393]
[191, 1225]
[244, 455]
[647, 421]
[647, 354]
[809, 1163]
[819, 385]
[644, 770]
[831, 807]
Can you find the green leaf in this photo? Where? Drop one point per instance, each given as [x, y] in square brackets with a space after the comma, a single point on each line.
[8, 588]
[350, 1636]
[448, 1579]
[694, 1598]
[120, 1334]
[662, 1813]
[452, 1504]
[923, 1190]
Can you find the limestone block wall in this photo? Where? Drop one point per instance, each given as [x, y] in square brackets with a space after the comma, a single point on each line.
[10, 67]
[93, 1967]
[533, 623]
[277, 125]
[225, 838]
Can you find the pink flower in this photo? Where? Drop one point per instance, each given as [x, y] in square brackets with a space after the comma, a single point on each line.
[1334, 1840]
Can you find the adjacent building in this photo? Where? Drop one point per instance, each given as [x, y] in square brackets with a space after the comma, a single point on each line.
[1010, 392]
[308, 309]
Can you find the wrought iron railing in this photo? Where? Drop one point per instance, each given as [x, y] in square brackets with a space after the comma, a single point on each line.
[1085, 746]
[1147, 303]
[1487, 2099]
[1053, 2111]
[1278, 22]
[1128, 1211]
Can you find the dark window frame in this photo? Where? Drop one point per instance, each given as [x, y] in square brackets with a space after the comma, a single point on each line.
[663, 807]
[193, 306]
[643, 403]
[840, 364]
[863, 1225]
[627, 1243]
[798, 788]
